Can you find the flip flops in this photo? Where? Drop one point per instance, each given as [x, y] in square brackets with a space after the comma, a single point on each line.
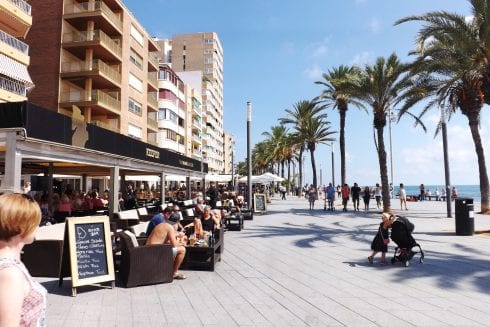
[180, 276]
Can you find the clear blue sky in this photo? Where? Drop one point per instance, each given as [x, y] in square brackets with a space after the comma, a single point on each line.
[274, 51]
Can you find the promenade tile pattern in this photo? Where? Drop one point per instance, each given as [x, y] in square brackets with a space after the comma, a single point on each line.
[295, 267]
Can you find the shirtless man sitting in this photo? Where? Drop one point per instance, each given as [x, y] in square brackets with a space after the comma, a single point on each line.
[164, 233]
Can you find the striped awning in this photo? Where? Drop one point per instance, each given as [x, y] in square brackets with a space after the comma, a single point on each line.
[15, 70]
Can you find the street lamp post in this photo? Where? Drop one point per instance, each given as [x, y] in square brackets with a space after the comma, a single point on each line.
[249, 155]
[390, 118]
[446, 162]
[232, 171]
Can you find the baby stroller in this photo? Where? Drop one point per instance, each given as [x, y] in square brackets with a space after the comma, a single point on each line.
[401, 234]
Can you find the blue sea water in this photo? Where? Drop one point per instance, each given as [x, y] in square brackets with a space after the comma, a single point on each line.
[466, 191]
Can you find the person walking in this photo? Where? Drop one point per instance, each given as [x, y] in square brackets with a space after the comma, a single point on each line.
[377, 195]
[366, 196]
[381, 239]
[330, 192]
[312, 196]
[22, 300]
[403, 197]
[356, 193]
[345, 196]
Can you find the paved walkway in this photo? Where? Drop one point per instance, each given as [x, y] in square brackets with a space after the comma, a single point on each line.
[293, 267]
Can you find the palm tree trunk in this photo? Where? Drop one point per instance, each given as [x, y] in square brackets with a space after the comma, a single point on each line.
[313, 165]
[282, 168]
[300, 167]
[484, 185]
[288, 186]
[342, 113]
[383, 169]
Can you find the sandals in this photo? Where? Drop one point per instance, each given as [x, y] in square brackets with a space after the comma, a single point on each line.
[370, 259]
[180, 276]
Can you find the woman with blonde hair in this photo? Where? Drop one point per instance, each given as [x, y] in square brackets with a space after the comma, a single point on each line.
[382, 238]
[22, 300]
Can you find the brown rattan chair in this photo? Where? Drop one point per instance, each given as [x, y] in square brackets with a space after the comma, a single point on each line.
[42, 258]
[144, 264]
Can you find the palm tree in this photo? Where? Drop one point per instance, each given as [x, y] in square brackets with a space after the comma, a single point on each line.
[380, 86]
[276, 139]
[297, 117]
[455, 52]
[316, 131]
[336, 96]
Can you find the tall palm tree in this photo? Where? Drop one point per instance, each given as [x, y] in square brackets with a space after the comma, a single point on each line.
[455, 51]
[297, 117]
[276, 140]
[316, 131]
[381, 87]
[336, 96]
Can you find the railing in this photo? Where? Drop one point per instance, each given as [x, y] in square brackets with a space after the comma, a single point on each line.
[152, 123]
[14, 42]
[196, 123]
[96, 35]
[105, 125]
[13, 86]
[91, 96]
[24, 6]
[152, 79]
[153, 58]
[87, 7]
[95, 65]
[152, 100]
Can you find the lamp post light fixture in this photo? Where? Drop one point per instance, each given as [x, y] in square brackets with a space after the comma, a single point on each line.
[249, 155]
[446, 162]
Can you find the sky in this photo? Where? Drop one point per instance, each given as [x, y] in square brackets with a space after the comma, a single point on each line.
[275, 50]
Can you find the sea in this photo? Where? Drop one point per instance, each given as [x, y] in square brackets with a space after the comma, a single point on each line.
[465, 191]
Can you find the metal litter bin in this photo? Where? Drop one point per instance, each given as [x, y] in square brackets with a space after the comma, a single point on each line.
[465, 222]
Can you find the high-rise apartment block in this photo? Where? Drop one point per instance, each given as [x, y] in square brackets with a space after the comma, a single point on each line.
[93, 60]
[229, 152]
[203, 52]
[15, 22]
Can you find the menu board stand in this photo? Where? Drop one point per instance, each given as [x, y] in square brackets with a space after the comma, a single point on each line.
[87, 252]
[260, 205]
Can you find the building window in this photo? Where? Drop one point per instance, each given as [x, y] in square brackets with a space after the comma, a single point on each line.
[135, 82]
[136, 59]
[137, 35]
[134, 131]
[134, 107]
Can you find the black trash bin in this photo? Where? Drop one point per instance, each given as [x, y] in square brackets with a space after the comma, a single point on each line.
[465, 222]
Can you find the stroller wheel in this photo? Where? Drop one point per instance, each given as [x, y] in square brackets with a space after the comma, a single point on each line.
[406, 263]
[421, 260]
[393, 261]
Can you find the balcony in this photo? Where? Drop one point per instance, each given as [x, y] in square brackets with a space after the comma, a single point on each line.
[196, 139]
[103, 17]
[103, 46]
[196, 124]
[152, 101]
[11, 90]
[103, 76]
[152, 82]
[152, 124]
[14, 48]
[16, 17]
[100, 102]
[152, 61]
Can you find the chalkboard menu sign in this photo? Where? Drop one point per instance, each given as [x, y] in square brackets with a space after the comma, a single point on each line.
[90, 250]
[259, 203]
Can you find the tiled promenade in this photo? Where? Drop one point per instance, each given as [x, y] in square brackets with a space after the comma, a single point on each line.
[293, 267]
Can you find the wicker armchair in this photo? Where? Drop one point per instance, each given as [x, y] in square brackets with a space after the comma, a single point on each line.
[144, 264]
[43, 258]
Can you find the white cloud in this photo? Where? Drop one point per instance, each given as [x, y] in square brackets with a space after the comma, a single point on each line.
[425, 164]
[314, 72]
[362, 58]
[318, 49]
[374, 25]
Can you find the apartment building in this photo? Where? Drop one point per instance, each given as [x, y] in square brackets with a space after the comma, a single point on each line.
[92, 60]
[203, 52]
[229, 152]
[15, 22]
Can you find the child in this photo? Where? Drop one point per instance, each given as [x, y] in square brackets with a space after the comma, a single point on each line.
[381, 239]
